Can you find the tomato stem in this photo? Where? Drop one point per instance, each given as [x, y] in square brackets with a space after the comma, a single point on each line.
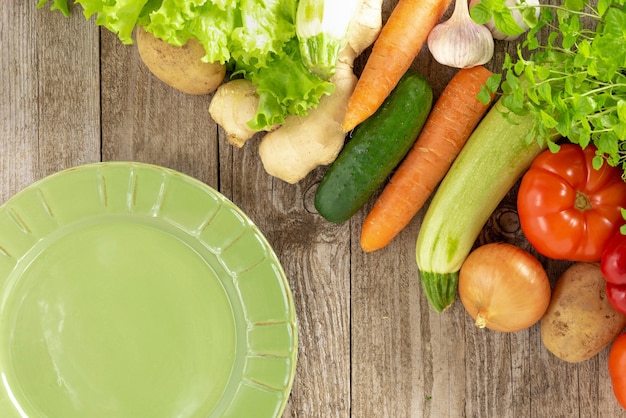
[582, 202]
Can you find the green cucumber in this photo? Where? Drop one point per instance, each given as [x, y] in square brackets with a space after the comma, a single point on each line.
[495, 156]
[377, 146]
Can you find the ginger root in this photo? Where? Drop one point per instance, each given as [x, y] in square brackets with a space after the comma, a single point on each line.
[302, 144]
[365, 28]
[234, 104]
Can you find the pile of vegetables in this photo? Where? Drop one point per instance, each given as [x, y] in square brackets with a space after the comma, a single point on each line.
[256, 40]
[557, 122]
[554, 117]
[572, 199]
[275, 64]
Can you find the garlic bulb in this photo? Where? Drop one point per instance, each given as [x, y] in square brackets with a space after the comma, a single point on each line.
[517, 16]
[460, 42]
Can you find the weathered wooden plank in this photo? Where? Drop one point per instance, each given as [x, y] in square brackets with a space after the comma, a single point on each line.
[69, 91]
[316, 259]
[391, 368]
[145, 120]
[18, 107]
[49, 81]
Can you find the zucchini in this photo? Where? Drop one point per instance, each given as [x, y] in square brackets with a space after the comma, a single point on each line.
[495, 156]
[377, 146]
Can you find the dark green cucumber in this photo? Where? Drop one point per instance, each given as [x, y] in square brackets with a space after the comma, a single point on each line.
[377, 146]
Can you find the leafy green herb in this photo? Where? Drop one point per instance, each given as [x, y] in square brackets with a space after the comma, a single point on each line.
[574, 79]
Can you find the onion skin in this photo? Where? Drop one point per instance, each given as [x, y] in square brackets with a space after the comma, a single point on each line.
[503, 287]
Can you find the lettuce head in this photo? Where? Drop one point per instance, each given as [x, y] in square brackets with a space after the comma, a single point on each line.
[255, 38]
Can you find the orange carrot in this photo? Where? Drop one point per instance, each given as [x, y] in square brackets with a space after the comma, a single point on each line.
[450, 123]
[400, 40]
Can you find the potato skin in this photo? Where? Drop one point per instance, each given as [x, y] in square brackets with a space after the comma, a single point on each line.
[179, 67]
[580, 321]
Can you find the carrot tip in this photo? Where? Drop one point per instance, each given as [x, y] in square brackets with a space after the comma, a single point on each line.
[348, 125]
[369, 245]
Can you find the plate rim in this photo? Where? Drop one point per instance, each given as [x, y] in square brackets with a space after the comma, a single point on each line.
[288, 301]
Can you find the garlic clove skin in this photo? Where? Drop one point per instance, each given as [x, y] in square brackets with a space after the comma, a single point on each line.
[460, 42]
[517, 16]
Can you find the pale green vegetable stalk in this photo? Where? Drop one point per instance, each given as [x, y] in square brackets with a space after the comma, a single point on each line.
[493, 159]
[322, 29]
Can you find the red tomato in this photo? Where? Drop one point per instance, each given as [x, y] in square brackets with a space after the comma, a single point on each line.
[613, 261]
[617, 369]
[568, 210]
[616, 293]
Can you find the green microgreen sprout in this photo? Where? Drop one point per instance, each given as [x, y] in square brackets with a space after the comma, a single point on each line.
[569, 72]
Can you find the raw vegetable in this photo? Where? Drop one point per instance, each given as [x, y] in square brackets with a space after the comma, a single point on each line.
[365, 28]
[459, 41]
[233, 105]
[301, 144]
[613, 261]
[255, 38]
[568, 210]
[617, 369]
[493, 159]
[450, 123]
[617, 296]
[377, 146]
[613, 267]
[322, 28]
[399, 42]
[580, 321]
[519, 12]
[503, 287]
[573, 80]
[180, 67]
[292, 149]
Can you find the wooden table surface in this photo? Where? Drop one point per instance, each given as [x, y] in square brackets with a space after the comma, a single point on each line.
[370, 345]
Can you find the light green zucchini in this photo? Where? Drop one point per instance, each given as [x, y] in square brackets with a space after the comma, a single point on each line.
[493, 159]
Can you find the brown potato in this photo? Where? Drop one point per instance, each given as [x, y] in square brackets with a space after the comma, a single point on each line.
[179, 67]
[580, 321]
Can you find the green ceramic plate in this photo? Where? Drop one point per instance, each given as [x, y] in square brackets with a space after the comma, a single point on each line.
[131, 290]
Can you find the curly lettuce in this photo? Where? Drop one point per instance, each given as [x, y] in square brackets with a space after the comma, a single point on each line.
[256, 38]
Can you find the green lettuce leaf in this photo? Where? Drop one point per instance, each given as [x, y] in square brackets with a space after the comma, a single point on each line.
[210, 22]
[120, 16]
[285, 87]
[256, 38]
[60, 5]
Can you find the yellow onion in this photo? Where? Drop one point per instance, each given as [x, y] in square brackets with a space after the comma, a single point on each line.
[503, 287]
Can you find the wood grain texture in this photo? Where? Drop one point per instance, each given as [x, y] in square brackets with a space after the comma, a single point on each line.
[49, 84]
[370, 345]
[145, 120]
